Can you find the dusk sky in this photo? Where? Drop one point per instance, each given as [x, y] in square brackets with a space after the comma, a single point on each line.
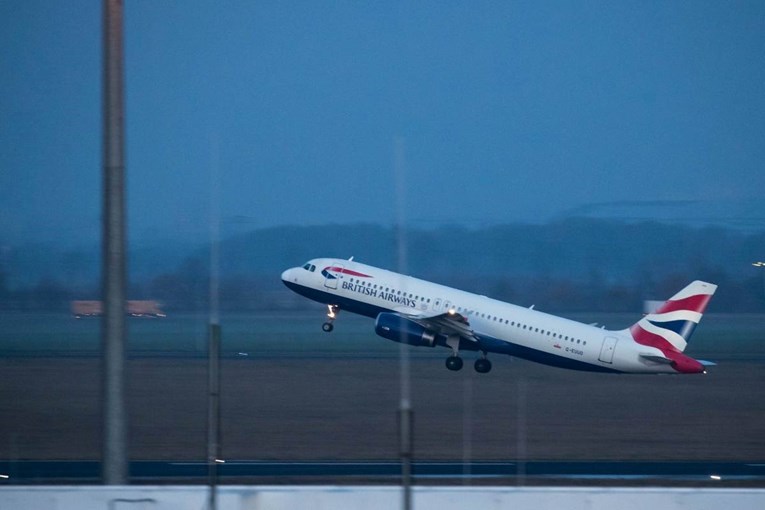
[508, 111]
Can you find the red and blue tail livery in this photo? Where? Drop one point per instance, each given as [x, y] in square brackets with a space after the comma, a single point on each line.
[669, 328]
[421, 313]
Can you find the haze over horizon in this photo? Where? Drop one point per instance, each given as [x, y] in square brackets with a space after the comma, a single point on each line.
[508, 113]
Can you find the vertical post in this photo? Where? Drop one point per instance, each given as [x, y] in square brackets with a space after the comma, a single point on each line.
[405, 413]
[761, 265]
[213, 372]
[114, 465]
[467, 428]
[520, 469]
[213, 413]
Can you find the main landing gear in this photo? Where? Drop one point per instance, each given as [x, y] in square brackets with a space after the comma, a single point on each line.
[482, 365]
[454, 362]
[331, 316]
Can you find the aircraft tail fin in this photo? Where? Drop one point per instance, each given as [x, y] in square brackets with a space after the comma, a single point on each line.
[672, 324]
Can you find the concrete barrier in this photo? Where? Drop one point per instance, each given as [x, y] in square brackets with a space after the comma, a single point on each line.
[137, 497]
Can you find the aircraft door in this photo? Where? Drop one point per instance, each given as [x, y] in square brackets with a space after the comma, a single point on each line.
[441, 305]
[607, 351]
[330, 280]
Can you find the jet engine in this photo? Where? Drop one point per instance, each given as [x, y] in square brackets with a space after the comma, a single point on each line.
[400, 329]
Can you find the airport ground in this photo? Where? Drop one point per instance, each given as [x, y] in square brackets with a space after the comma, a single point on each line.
[325, 407]
[293, 393]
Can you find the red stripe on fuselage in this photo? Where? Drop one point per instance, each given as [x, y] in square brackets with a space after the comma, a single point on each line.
[348, 272]
[697, 303]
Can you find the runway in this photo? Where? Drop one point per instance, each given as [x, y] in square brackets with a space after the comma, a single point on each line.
[37, 472]
[293, 399]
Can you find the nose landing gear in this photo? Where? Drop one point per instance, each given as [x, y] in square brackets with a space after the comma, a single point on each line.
[331, 316]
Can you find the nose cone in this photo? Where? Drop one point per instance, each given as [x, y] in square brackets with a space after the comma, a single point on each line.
[287, 275]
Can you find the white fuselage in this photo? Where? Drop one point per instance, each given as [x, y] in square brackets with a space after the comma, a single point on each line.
[500, 327]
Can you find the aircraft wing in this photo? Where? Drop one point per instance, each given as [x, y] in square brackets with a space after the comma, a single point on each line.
[446, 323]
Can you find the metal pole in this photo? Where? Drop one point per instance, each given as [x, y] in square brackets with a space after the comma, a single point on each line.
[213, 372]
[405, 413]
[114, 466]
[522, 452]
[467, 428]
[213, 413]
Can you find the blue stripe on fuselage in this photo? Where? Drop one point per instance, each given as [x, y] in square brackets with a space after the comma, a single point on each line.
[487, 343]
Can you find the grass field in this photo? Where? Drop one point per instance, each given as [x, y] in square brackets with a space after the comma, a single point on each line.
[718, 337]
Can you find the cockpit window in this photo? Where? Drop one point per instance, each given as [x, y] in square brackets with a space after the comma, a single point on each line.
[307, 267]
[313, 268]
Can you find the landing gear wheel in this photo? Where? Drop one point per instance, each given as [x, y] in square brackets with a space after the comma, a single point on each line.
[331, 315]
[454, 363]
[482, 366]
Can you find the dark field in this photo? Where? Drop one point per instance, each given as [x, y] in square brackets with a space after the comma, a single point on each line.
[301, 394]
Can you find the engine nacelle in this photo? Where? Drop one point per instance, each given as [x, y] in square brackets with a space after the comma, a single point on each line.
[400, 329]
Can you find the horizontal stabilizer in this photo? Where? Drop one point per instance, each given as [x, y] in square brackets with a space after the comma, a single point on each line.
[657, 359]
[707, 363]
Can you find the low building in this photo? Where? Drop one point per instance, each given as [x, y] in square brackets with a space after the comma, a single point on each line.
[135, 308]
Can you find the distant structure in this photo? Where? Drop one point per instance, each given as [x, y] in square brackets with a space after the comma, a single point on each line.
[650, 306]
[138, 308]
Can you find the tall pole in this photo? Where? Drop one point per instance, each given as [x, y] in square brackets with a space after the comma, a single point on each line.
[114, 465]
[761, 265]
[213, 355]
[405, 414]
[213, 414]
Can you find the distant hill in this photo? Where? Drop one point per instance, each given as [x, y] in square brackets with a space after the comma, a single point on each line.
[569, 263]
[575, 249]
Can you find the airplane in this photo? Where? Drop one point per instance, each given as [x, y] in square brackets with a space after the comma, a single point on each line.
[422, 313]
